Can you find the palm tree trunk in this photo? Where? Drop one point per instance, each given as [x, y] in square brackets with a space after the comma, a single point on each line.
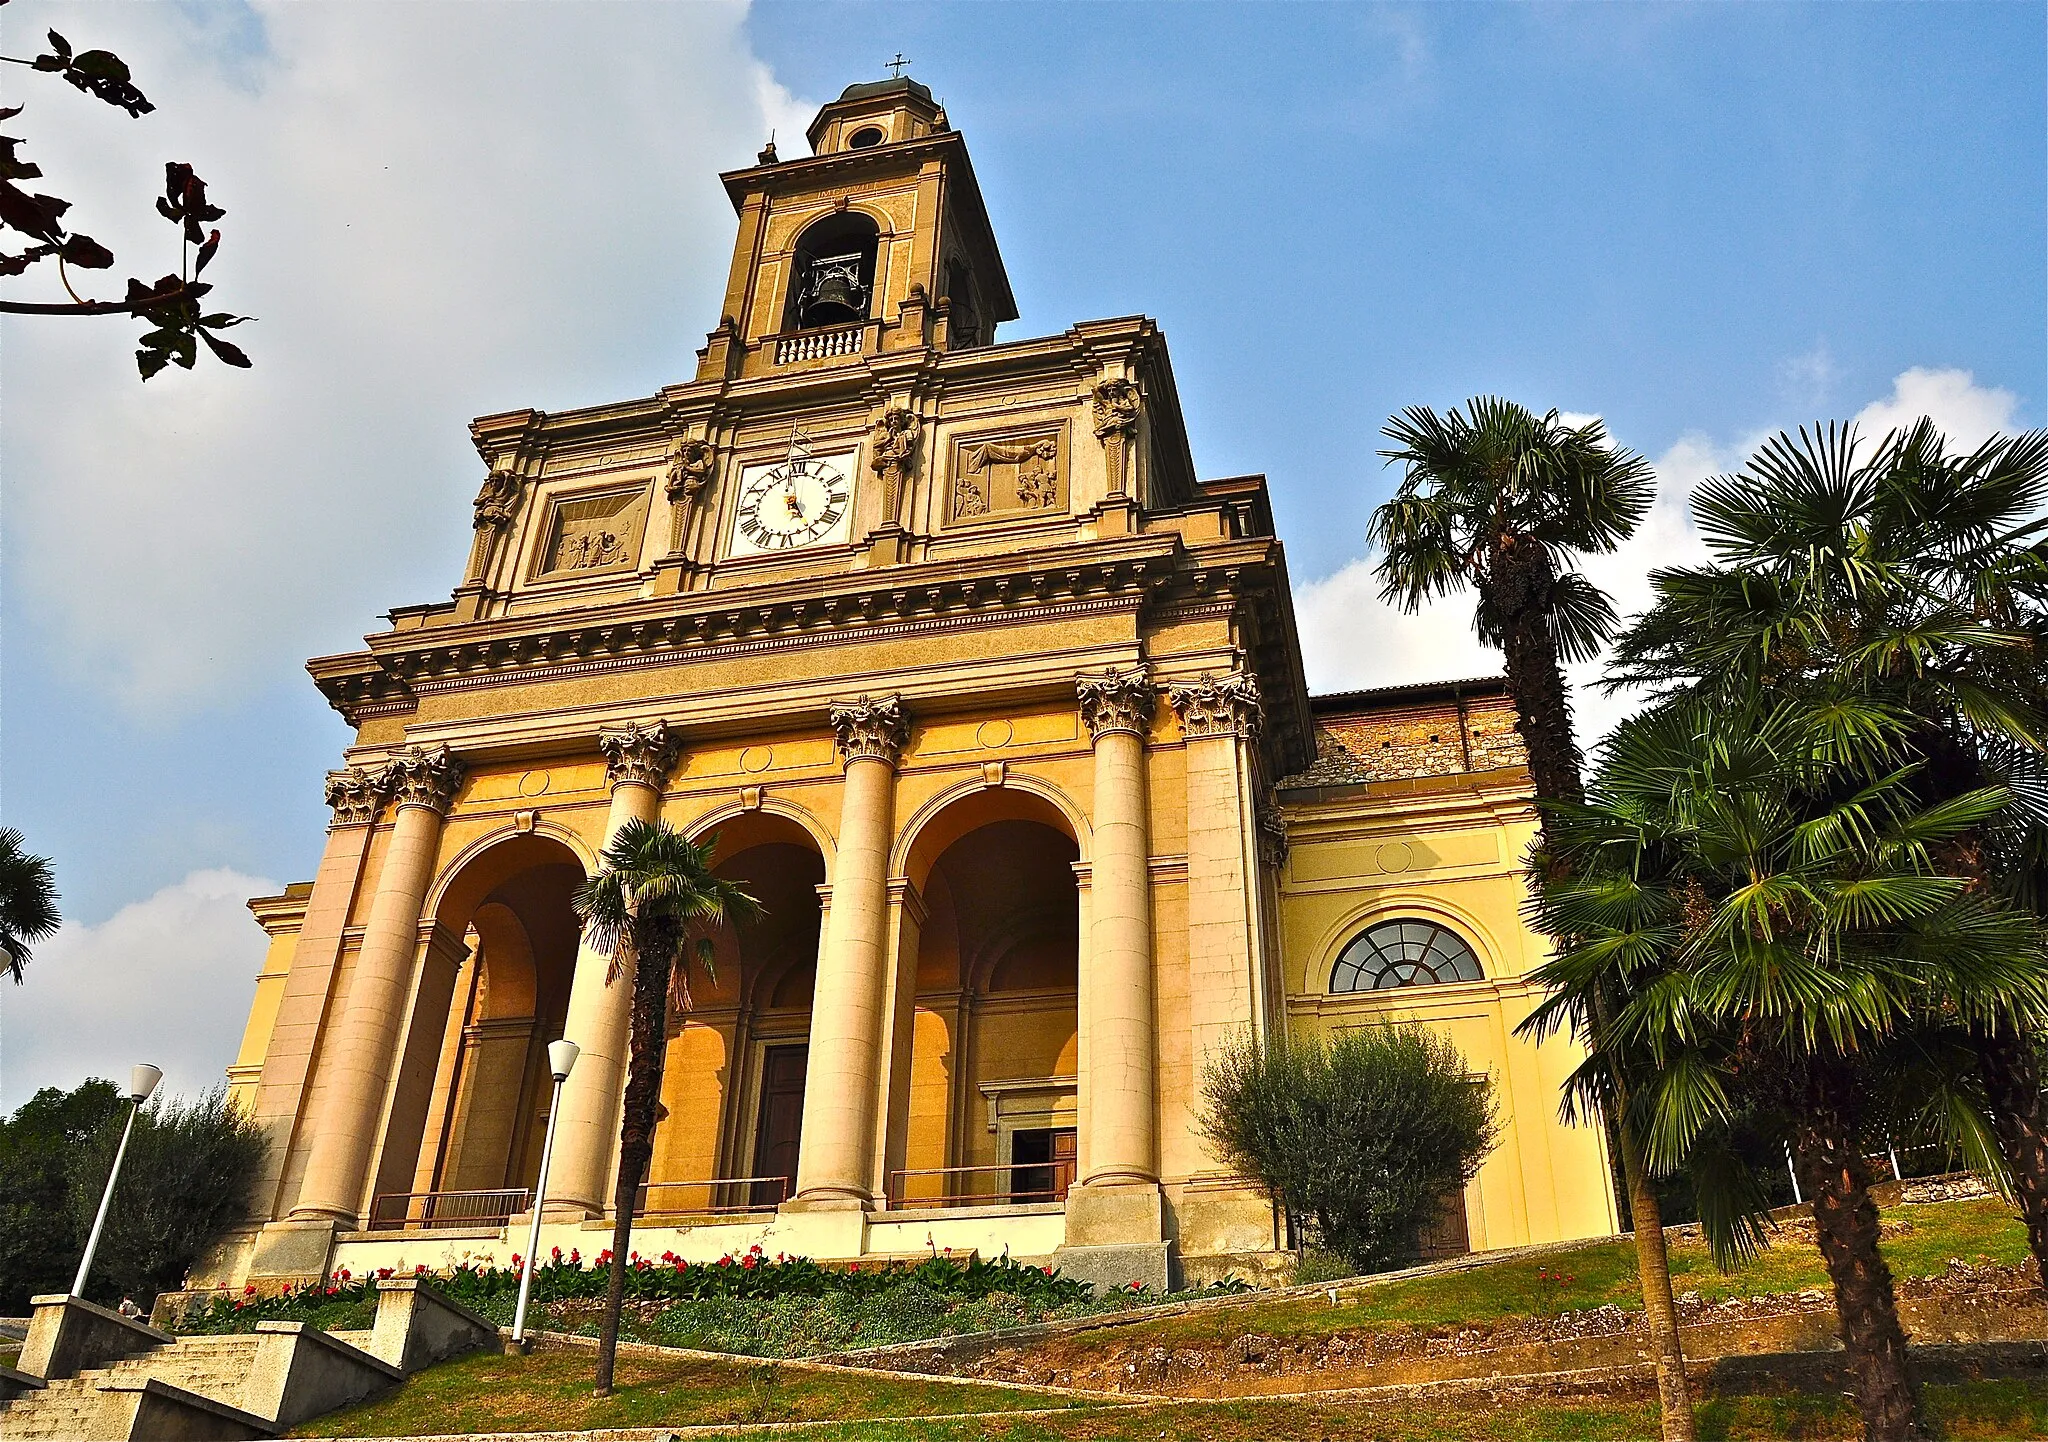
[1830, 1168]
[654, 957]
[2019, 1115]
[1653, 1268]
[1518, 593]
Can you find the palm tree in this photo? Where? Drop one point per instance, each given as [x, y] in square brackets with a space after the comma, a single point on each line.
[1757, 891]
[655, 894]
[1905, 576]
[1500, 500]
[28, 903]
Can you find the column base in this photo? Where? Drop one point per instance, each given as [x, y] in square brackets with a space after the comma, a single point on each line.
[1100, 1213]
[1113, 1268]
[294, 1250]
[823, 1229]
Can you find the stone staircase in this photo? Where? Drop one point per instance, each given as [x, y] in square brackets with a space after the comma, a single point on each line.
[90, 1375]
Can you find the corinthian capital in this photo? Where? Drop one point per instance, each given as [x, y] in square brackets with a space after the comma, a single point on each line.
[639, 755]
[1217, 705]
[356, 796]
[1117, 701]
[874, 728]
[423, 776]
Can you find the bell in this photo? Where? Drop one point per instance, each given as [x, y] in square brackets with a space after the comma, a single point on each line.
[835, 293]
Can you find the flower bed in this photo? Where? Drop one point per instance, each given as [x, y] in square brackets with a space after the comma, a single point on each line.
[750, 1303]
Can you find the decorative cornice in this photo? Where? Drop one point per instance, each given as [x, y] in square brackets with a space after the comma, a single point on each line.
[1217, 705]
[639, 755]
[874, 729]
[1117, 701]
[423, 776]
[356, 796]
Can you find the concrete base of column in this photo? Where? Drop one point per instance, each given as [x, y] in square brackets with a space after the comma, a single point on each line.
[1099, 1214]
[294, 1250]
[1113, 1268]
[824, 1233]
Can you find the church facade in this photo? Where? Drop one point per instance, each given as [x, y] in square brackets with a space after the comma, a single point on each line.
[998, 709]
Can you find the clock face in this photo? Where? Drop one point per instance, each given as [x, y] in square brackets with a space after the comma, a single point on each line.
[798, 502]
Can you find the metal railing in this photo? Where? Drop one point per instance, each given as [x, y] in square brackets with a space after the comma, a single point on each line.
[722, 1196]
[1027, 1182]
[415, 1211]
[818, 344]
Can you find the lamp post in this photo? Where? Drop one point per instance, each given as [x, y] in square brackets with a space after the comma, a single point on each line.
[142, 1080]
[561, 1057]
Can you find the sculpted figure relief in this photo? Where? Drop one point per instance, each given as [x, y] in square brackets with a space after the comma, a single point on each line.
[1037, 481]
[689, 469]
[894, 445]
[1116, 408]
[498, 500]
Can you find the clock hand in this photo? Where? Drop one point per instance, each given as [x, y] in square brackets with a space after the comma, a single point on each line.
[796, 507]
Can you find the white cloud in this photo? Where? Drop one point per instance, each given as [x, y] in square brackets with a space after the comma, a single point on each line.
[1352, 640]
[435, 214]
[1965, 411]
[1806, 381]
[167, 979]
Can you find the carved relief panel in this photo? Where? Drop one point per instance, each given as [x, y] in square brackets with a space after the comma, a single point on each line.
[1008, 474]
[591, 533]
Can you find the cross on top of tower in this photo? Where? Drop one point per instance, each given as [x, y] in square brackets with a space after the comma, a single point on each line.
[896, 66]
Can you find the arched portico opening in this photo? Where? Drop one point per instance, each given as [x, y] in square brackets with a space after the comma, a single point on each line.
[468, 1115]
[732, 1091]
[988, 1112]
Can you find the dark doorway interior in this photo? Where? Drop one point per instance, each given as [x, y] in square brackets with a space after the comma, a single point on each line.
[781, 1122]
[1042, 1164]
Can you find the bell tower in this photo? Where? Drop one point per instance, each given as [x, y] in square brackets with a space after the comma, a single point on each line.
[878, 241]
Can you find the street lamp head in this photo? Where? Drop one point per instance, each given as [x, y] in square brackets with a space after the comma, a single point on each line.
[561, 1057]
[142, 1080]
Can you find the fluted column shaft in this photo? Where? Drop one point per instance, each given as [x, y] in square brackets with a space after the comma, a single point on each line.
[357, 1074]
[638, 760]
[1121, 1076]
[836, 1151]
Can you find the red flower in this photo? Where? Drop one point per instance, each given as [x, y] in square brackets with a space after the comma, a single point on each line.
[419, 1269]
[383, 1272]
[558, 1254]
[250, 1290]
[575, 1256]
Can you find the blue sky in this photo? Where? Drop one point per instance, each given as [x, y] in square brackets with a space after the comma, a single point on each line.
[1697, 221]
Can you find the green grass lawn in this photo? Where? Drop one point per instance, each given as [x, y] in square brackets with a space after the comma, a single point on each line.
[1977, 1410]
[1979, 1230]
[550, 1390]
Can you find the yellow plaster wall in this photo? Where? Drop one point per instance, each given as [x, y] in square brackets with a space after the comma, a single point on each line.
[1443, 854]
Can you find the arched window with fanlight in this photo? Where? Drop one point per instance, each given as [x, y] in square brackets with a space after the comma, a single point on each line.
[1406, 951]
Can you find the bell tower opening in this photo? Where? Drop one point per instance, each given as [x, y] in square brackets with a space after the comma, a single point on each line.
[834, 273]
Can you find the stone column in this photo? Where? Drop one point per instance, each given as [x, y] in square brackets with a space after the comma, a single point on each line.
[848, 1013]
[1219, 715]
[638, 760]
[357, 796]
[1120, 1081]
[358, 1072]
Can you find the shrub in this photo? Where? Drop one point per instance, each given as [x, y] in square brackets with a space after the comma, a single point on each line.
[184, 1183]
[1363, 1134]
[39, 1242]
